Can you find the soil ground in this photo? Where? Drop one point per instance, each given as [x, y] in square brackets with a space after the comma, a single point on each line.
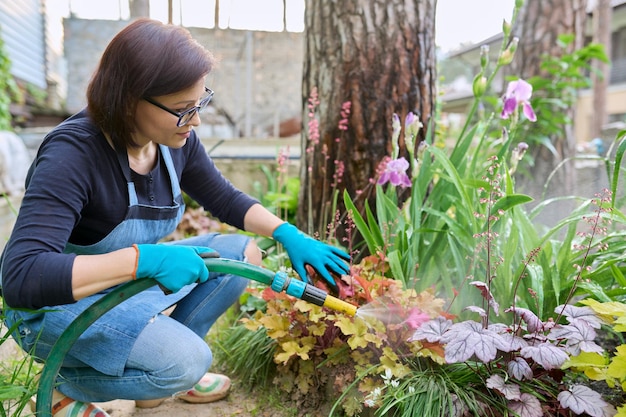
[239, 403]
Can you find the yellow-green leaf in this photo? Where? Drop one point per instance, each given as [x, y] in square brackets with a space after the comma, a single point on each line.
[317, 329]
[374, 339]
[389, 360]
[585, 359]
[620, 324]
[277, 326]
[617, 368]
[594, 365]
[356, 329]
[315, 312]
[608, 311]
[290, 349]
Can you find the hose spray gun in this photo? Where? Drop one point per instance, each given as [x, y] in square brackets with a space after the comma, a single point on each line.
[279, 282]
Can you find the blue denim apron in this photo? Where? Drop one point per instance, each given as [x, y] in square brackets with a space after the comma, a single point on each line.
[105, 346]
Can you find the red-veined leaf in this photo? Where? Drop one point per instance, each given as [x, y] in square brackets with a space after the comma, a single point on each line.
[519, 369]
[527, 406]
[581, 399]
[467, 339]
[545, 354]
[484, 291]
[532, 321]
[432, 330]
[510, 391]
[580, 313]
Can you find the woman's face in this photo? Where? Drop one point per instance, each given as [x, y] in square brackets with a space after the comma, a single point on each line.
[154, 124]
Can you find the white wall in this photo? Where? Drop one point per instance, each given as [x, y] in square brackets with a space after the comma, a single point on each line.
[22, 29]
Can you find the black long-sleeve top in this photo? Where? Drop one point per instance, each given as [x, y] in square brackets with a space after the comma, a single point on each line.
[76, 192]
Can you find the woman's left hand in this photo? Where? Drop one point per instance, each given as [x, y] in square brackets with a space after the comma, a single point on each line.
[304, 250]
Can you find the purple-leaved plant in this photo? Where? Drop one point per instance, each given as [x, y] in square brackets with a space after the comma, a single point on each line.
[525, 357]
[527, 352]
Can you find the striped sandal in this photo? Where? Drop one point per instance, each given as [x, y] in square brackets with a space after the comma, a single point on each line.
[211, 387]
[68, 407]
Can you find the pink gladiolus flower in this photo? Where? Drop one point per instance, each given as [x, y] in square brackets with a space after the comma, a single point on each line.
[518, 93]
[395, 173]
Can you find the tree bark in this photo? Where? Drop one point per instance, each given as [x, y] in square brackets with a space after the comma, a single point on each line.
[539, 24]
[601, 35]
[380, 56]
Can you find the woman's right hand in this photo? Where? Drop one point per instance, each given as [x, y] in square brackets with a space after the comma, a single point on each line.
[173, 266]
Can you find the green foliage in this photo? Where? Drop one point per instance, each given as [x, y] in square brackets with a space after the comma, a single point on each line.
[558, 91]
[249, 354]
[608, 368]
[8, 88]
[490, 351]
[431, 239]
[431, 391]
[280, 196]
[18, 382]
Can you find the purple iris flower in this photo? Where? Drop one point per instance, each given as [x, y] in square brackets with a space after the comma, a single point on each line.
[518, 93]
[395, 173]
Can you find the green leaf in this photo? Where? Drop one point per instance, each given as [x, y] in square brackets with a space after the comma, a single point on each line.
[360, 224]
[11, 392]
[508, 201]
[618, 162]
[374, 229]
[395, 265]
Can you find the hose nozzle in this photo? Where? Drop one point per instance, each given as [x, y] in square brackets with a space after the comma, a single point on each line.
[310, 293]
[279, 282]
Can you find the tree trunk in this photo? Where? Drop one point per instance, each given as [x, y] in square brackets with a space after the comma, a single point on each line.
[379, 55]
[601, 35]
[217, 14]
[538, 27]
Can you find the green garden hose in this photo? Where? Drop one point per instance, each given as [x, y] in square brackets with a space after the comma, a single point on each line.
[73, 332]
[278, 281]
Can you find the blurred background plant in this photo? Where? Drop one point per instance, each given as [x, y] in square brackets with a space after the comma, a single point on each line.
[18, 375]
[8, 89]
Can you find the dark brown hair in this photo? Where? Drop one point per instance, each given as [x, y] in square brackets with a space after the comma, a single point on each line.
[145, 59]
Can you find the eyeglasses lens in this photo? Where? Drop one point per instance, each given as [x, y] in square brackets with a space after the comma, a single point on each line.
[186, 117]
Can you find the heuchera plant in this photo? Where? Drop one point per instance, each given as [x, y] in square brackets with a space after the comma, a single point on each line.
[600, 367]
[528, 350]
[319, 351]
[523, 362]
[524, 358]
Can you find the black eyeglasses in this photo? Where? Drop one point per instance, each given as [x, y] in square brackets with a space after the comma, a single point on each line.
[187, 115]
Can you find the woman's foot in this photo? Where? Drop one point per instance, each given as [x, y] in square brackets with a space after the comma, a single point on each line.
[211, 387]
[63, 406]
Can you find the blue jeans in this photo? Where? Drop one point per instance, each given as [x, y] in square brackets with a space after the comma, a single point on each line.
[170, 354]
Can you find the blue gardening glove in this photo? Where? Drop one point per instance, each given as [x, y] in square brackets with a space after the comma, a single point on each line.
[304, 250]
[173, 266]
